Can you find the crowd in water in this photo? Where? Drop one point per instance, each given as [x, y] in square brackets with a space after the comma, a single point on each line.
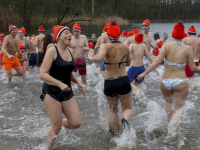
[61, 54]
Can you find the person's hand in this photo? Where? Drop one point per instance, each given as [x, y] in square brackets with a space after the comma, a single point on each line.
[10, 56]
[140, 77]
[81, 87]
[64, 87]
[91, 51]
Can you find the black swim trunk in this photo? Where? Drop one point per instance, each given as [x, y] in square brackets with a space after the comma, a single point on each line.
[56, 93]
[119, 86]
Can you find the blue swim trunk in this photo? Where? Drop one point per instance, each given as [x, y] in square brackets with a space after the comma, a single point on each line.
[102, 65]
[133, 72]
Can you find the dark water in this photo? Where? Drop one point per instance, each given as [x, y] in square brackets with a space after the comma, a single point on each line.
[25, 123]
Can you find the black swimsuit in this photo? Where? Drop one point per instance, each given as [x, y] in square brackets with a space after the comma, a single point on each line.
[119, 86]
[60, 70]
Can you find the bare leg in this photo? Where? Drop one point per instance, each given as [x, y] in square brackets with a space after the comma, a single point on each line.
[114, 120]
[19, 71]
[54, 110]
[26, 65]
[9, 75]
[83, 78]
[72, 113]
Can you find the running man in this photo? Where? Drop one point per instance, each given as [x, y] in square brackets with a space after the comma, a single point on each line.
[194, 42]
[9, 49]
[38, 43]
[79, 44]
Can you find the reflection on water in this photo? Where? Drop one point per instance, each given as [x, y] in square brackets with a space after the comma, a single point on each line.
[24, 121]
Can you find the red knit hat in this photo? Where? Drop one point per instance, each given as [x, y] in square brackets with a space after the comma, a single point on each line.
[57, 31]
[113, 31]
[125, 33]
[159, 44]
[130, 33]
[90, 45]
[41, 29]
[76, 27]
[1, 43]
[23, 30]
[11, 26]
[2, 35]
[21, 46]
[135, 30]
[155, 52]
[33, 36]
[192, 30]
[138, 38]
[146, 22]
[178, 31]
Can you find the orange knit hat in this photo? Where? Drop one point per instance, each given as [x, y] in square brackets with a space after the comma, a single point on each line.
[21, 46]
[11, 26]
[130, 33]
[41, 28]
[57, 32]
[135, 30]
[90, 45]
[159, 44]
[125, 33]
[113, 31]
[76, 27]
[138, 38]
[192, 30]
[178, 31]
[155, 52]
[146, 22]
[2, 35]
[23, 30]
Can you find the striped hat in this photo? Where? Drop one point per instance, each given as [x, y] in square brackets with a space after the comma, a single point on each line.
[57, 32]
[146, 22]
[11, 26]
[76, 27]
[23, 30]
[192, 30]
[41, 28]
[155, 52]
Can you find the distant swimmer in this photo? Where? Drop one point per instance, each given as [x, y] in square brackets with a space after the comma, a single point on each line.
[165, 37]
[38, 43]
[32, 52]
[79, 44]
[57, 94]
[138, 51]
[117, 84]
[194, 42]
[9, 49]
[93, 40]
[174, 83]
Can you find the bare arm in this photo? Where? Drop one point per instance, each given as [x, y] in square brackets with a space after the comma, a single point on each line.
[4, 47]
[128, 61]
[97, 46]
[100, 55]
[147, 54]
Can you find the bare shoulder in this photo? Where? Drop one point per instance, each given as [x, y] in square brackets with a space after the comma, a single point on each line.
[83, 36]
[50, 45]
[51, 51]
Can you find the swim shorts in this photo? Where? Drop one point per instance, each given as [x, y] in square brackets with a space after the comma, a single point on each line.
[119, 86]
[133, 72]
[56, 93]
[33, 59]
[11, 63]
[102, 65]
[188, 72]
[80, 66]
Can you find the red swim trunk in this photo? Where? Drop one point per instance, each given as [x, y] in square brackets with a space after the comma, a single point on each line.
[80, 66]
[188, 72]
[11, 63]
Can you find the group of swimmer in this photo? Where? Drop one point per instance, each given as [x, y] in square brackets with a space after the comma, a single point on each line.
[61, 54]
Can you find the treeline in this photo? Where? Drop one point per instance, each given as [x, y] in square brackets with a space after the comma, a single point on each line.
[32, 13]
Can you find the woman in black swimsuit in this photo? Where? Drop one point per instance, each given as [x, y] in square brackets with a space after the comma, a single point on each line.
[57, 94]
[117, 84]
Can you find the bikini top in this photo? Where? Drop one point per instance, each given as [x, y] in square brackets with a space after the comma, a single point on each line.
[175, 64]
[121, 59]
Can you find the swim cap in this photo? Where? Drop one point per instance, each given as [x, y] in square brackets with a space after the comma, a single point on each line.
[41, 28]
[90, 45]
[21, 46]
[159, 44]
[113, 31]
[11, 26]
[146, 22]
[138, 38]
[57, 32]
[178, 31]
[135, 30]
[125, 33]
[130, 33]
[2, 35]
[155, 52]
[23, 30]
[192, 30]
[76, 27]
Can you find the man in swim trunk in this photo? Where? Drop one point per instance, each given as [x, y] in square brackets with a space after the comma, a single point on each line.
[194, 42]
[32, 52]
[38, 43]
[9, 49]
[79, 44]
[138, 50]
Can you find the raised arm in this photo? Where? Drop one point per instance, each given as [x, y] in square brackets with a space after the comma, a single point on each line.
[99, 57]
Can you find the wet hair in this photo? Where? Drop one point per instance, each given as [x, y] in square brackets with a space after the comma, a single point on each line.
[156, 36]
[48, 39]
